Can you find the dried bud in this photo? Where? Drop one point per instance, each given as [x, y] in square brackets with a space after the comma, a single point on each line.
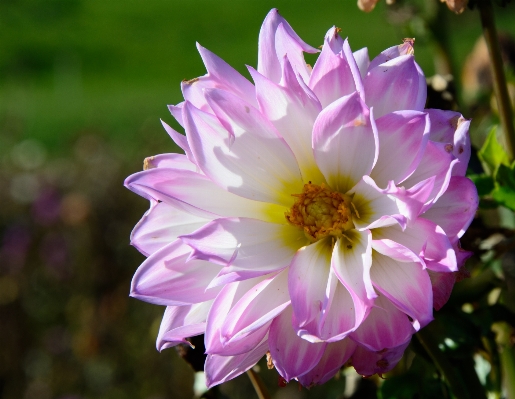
[456, 6]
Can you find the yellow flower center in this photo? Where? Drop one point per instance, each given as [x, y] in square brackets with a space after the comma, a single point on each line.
[321, 212]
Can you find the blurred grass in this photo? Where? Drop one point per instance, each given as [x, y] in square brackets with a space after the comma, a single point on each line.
[84, 83]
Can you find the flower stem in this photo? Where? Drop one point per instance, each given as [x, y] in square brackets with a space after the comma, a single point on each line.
[486, 13]
[447, 370]
[258, 385]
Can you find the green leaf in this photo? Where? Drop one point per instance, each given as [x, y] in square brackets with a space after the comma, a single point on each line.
[505, 195]
[492, 154]
[484, 184]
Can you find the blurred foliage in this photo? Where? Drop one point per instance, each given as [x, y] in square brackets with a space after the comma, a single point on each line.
[82, 87]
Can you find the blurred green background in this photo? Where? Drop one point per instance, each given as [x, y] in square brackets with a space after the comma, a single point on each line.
[83, 84]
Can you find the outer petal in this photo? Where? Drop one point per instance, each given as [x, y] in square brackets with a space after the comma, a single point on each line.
[178, 138]
[407, 285]
[232, 154]
[219, 75]
[395, 85]
[406, 48]
[256, 308]
[335, 73]
[426, 239]
[368, 363]
[292, 110]
[292, 355]
[402, 138]
[351, 261]
[345, 142]
[437, 161]
[228, 297]
[273, 46]
[451, 128]
[167, 278]
[335, 356]
[220, 369]
[176, 161]
[251, 247]
[456, 208]
[181, 322]
[442, 287]
[161, 225]
[362, 61]
[385, 327]
[196, 194]
[176, 111]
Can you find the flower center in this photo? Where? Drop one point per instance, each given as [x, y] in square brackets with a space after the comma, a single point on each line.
[321, 212]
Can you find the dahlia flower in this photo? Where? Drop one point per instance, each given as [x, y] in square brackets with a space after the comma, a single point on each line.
[315, 216]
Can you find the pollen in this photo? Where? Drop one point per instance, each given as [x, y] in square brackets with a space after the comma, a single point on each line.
[321, 212]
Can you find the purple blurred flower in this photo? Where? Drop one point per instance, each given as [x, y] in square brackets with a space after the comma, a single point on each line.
[308, 211]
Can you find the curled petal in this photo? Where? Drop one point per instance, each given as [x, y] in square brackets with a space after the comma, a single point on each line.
[395, 85]
[442, 287]
[176, 161]
[249, 247]
[335, 73]
[219, 369]
[402, 138]
[362, 61]
[181, 322]
[385, 327]
[273, 46]
[345, 142]
[178, 138]
[368, 363]
[455, 209]
[406, 285]
[168, 278]
[334, 358]
[406, 48]
[292, 355]
[161, 225]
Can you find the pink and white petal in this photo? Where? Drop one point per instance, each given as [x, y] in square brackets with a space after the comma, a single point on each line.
[335, 356]
[161, 225]
[402, 138]
[395, 85]
[292, 355]
[375, 208]
[227, 298]
[308, 282]
[437, 161]
[167, 278]
[292, 111]
[426, 239]
[351, 261]
[455, 209]
[442, 287]
[362, 61]
[406, 48]
[451, 128]
[248, 244]
[367, 363]
[219, 369]
[179, 139]
[394, 250]
[269, 57]
[407, 285]
[176, 111]
[181, 322]
[345, 142]
[339, 316]
[335, 74]
[412, 202]
[230, 150]
[256, 308]
[385, 327]
[176, 161]
[197, 194]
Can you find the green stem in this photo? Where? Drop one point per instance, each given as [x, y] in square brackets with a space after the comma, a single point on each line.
[258, 385]
[446, 369]
[486, 13]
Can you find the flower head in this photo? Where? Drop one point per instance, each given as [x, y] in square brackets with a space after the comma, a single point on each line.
[315, 215]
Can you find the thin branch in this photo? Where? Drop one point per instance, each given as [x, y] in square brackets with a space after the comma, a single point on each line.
[258, 385]
[486, 12]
